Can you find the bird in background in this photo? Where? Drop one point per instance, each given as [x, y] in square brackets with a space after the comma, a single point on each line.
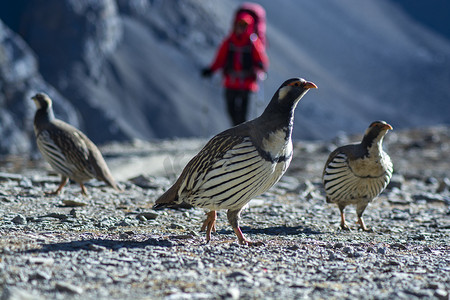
[357, 173]
[240, 163]
[68, 151]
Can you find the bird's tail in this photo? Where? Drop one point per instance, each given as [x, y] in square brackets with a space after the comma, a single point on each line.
[169, 198]
[101, 169]
[105, 175]
[112, 183]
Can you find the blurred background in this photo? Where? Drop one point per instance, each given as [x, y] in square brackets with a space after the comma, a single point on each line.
[122, 70]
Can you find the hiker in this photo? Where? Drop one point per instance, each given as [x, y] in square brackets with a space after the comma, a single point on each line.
[242, 58]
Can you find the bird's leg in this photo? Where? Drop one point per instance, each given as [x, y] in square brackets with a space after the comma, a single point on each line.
[242, 240]
[233, 218]
[359, 212]
[64, 181]
[83, 189]
[361, 224]
[343, 223]
[209, 224]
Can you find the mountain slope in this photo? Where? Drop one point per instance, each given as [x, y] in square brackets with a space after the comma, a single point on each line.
[130, 69]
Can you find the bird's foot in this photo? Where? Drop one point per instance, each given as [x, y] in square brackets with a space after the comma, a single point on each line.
[344, 226]
[209, 224]
[210, 221]
[64, 181]
[362, 225]
[54, 193]
[366, 229]
[243, 240]
[83, 190]
[119, 188]
[252, 243]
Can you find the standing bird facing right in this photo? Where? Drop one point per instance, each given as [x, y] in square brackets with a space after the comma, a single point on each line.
[240, 163]
[357, 173]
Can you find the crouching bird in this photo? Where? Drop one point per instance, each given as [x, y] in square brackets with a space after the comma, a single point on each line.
[241, 162]
[357, 173]
[68, 151]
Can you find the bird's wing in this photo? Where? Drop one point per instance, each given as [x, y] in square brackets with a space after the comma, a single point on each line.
[338, 178]
[194, 173]
[215, 153]
[53, 154]
[350, 176]
[65, 148]
[236, 174]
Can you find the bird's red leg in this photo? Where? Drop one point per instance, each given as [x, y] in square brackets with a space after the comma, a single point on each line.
[233, 218]
[64, 181]
[83, 190]
[243, 240]
[209, 224]
[240, 236]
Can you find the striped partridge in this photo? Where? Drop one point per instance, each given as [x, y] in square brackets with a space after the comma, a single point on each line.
[68, 151]
[241, 162]
[357, 173]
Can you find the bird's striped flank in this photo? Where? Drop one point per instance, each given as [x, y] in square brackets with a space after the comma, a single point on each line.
[232, 180]
[53, 155]
[63, 163]
[341, 183]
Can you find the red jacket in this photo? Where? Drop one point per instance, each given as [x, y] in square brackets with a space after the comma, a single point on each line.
[241, 58]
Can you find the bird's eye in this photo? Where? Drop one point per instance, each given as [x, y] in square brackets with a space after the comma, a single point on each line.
[296, 83]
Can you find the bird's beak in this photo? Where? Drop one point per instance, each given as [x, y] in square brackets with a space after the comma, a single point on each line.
[388, 127]
[310, 85]
[36, 102]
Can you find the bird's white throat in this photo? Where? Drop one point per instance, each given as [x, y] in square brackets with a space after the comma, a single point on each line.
[376, 148]
[277, 143]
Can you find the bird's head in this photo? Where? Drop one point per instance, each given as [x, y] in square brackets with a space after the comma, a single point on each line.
[289, 94]
[42, 101]
[44, 112]
[375, 132]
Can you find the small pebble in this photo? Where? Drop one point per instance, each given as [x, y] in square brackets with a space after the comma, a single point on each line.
[148, 215]
[19, 220]
[441, 294]
[381, 250]
[371, 250]
[41, 261]
[67, 287]
[338, 245]
[97, 248]
[177, 226]
[40, 275]
[239, 273]
[233, 293]
[347, 250]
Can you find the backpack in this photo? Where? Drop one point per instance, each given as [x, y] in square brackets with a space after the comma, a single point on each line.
[259, 15]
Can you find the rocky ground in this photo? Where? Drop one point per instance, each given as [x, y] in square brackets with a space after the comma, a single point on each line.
[112, 245]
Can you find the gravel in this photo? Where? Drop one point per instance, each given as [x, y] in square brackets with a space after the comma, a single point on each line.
[112, 245]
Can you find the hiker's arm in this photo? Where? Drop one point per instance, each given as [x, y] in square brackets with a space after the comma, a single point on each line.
[221, 56]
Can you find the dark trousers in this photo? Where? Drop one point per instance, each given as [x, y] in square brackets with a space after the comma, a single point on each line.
[237, 105]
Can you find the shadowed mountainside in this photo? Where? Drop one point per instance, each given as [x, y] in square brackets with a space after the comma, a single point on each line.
[123, 69]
